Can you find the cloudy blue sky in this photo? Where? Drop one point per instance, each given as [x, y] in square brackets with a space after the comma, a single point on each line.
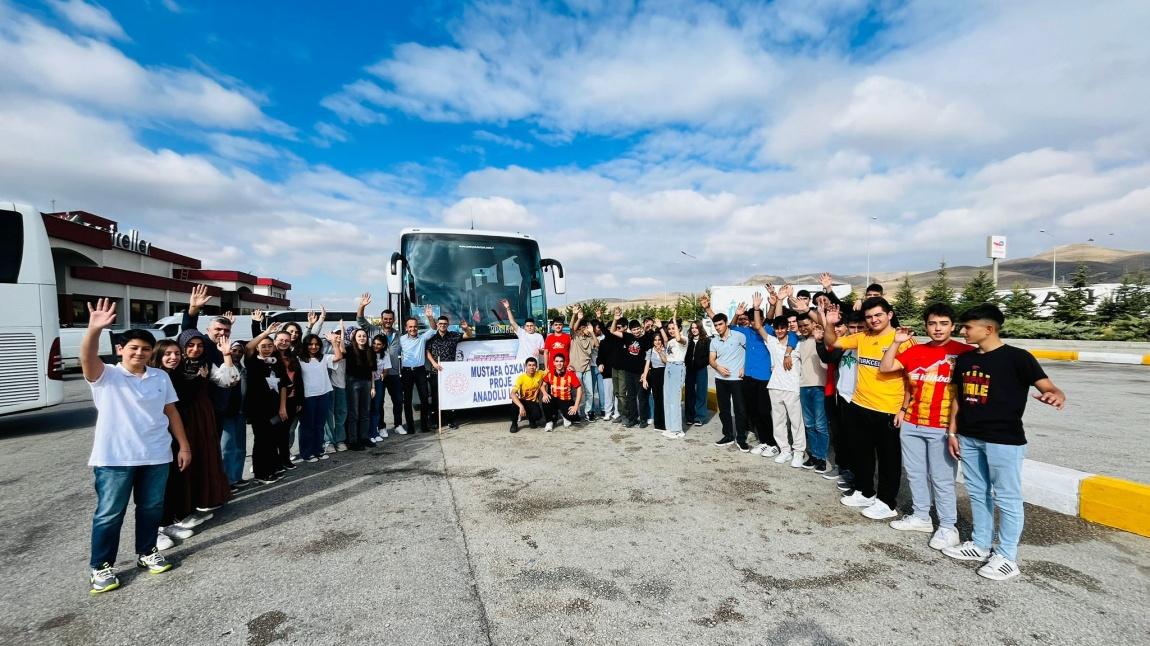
[293, 139]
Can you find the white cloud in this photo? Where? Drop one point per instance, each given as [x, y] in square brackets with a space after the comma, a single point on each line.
[44, 61]
[489, 213]
[643, 281]
[89, 17]
[679, 206]
[502, 140]
[241, 148]
[1131, 207]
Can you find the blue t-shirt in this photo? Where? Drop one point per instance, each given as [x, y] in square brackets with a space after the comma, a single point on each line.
[758, 357]
[729, 353]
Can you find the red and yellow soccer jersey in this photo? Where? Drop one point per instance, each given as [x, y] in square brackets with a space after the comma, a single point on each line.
[560, 386]
[929, 369]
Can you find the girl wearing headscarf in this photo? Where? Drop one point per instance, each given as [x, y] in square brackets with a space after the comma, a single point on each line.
[194, 493]
[266, 405]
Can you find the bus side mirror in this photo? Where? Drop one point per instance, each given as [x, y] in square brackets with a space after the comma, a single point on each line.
[395, 273]
[558, 280]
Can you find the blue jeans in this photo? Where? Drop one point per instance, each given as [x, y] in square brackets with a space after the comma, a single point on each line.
[311, 425]
[929, 470]
[376, 408]
[815, 419]
[588, 403]
[596, 390]
[993, 476]
[696, 385]
[673, 397]
[333, 429]
[146, 485]
[234, 446]
[607, 395]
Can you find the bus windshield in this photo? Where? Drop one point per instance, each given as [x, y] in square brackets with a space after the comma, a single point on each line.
[465, 277]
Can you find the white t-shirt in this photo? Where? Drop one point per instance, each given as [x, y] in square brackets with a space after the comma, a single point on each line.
[131, 427]
[382, 365]
[316, 380]
[848, 374]
[786, 380]
[530, 343]
[676, 352]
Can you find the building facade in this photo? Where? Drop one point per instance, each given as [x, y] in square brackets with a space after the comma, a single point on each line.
[95, 258]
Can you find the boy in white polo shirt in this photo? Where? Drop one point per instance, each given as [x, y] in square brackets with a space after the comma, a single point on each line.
[132, 448]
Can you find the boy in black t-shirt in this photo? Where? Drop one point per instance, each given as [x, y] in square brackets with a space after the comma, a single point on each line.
[986, 435]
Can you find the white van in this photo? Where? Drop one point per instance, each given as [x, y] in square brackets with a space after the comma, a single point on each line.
[31, 374]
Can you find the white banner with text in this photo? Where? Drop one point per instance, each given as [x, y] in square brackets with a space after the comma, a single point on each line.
[477, 383]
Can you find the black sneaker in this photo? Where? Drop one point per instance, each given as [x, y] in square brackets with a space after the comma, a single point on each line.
[289, 465]
[235, 489]
[514, 427]
[642, 424]
[744, 447]
[453, 426]
[810, 463]
[241, 483]
[820, 466]
[726, 441]
[630, 425]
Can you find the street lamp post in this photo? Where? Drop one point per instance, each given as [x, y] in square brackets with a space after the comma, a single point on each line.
[869, 222]
[1054, 258]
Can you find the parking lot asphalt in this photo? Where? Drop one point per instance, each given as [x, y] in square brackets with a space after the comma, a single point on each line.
[589, 535]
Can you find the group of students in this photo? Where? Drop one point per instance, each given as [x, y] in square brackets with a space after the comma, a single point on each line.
[805, 374]
[843, 392]
[172, 420]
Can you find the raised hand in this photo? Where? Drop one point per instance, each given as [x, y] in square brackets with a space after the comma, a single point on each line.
[229, 316]
[818, 333]
[772, 295]
[903, 334]
[757, 300]
[705, 302]
[464, 326]
[199, 297]
[257, 315]
[428, 310]
[599, 313]
[826, 281]
[786, 291]
[332, 337]
[365, 299]
[311, 318]
[740, 309]
[224, 345]
[618, 312]
[103, 314]
[505, 303]
[274, 327]
[833, 315]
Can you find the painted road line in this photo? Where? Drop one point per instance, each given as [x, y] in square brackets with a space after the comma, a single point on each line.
[1052, 486]
[1116, 503]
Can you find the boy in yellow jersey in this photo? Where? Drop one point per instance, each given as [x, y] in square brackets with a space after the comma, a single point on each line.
[873, 411]
[929, 370]
[525, 395]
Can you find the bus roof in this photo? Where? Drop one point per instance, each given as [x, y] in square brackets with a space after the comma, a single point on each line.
[479, 233]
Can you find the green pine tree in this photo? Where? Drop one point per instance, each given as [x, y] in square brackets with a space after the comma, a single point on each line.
[940, 291]
[1072, 302]
[905, 302]
[1020, 304]
[979, 290]
[848, 301]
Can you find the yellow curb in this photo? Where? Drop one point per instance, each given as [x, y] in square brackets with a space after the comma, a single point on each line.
[712, 401]
[1056, 355]
[1116, 503]
[1146, 359]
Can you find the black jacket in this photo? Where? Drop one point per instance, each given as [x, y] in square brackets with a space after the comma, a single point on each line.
[698, 353]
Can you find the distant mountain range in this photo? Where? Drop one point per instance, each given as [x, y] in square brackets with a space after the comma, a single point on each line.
[1105, 266]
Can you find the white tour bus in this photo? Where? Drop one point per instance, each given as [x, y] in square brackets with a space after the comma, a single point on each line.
[31, 371]
[464, 273]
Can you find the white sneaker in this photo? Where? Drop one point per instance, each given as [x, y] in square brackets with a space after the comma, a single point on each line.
[549, 427]
[912, 523]
[944, 537]
[566, 422]
[856, 499]
[879, 511]
[383, 432]
[651, 421]
[783, 456]
[999, 568]
[163, 542]
[771, 451]
[614, 416]
[758, 450]
[968, 551]
[329, 448]
[175, 531]
[674, 436]
[194, 520]
[797, 459]
[399, 430]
